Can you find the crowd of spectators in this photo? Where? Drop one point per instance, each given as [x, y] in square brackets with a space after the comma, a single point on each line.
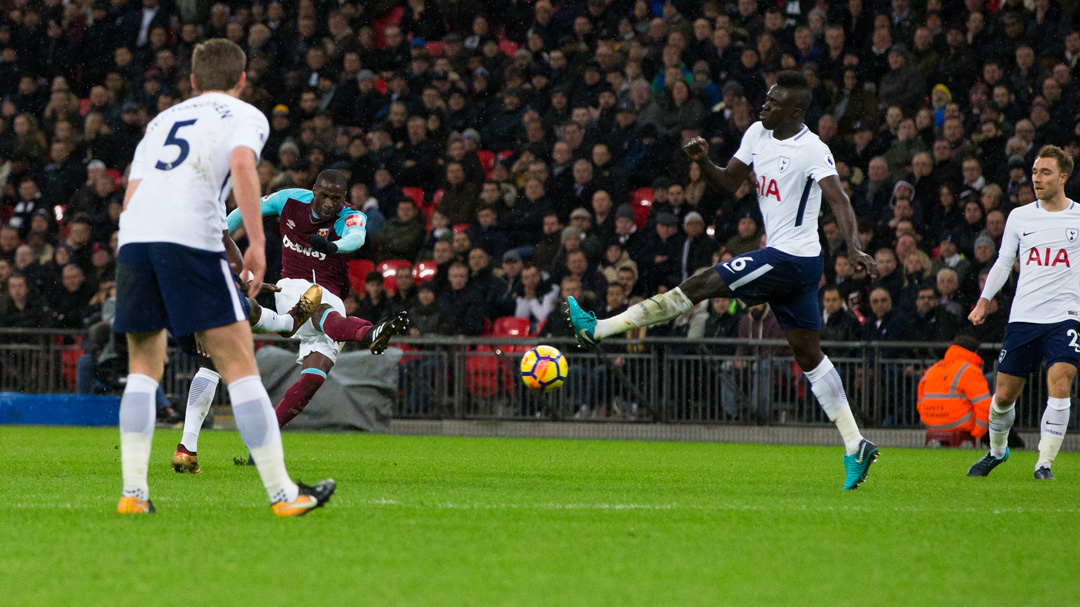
[934, 110]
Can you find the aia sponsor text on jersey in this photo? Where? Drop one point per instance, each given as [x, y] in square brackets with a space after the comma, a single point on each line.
[1043, 257]
[767, 187]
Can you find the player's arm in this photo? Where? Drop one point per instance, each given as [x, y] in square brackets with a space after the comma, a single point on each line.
[999, 273]
[353, 230]
[135, 172]
[268, 205]
[845, 218]
[246, 192]
[730, 177]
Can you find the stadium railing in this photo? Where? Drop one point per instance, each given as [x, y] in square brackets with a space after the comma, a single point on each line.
[668, 380]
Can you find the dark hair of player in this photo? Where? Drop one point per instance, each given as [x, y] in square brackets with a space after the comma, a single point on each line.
[797, 86]
[217, 65]
[332, 177]
[1064, 161]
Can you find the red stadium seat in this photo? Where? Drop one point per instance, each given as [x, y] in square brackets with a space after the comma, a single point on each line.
[510, 326]
[487, 160]
[391, 18]
[437, 198]
[388, 269]
[358, 269]
[380, 85]
[428, 210]
[84, 107]
[949, 439]
[117, 177]
[424, 271]
[434, 48]
[508, 47]
[460, 227]
[416, 194]
[640, 195]
[503, 155]
[641, 201]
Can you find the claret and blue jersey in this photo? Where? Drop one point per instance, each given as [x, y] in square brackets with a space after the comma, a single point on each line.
[298, 222]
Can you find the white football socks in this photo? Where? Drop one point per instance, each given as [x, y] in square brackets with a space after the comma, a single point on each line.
[258, 428]
[272, 322]
[200, 395]
[1054, 421]
[1001, 421]
[655, 310]
[137, 416]
[829, 390]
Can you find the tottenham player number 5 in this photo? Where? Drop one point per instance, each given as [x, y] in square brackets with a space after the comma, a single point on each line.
[172, 139]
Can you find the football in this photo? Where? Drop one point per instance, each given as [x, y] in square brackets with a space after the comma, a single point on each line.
[543, 369]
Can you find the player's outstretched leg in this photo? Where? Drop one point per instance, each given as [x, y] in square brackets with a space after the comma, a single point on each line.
[265, 320]
[339, 327]
[657, 309]
[200, 396]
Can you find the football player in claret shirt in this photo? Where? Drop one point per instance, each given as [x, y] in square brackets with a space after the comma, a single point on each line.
[794, 169]
[1044, 322]
[317, 232]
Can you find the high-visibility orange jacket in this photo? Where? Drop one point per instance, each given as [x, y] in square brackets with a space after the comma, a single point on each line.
[953, 394]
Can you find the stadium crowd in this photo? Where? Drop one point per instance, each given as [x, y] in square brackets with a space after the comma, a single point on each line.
[531, 150]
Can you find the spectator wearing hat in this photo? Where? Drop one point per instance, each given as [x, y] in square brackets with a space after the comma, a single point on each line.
[981, 262]
[591, 242]
[626, 232]
[660, 256]
[625, 133]
[1018, 176]
[902, 85]
[698, 247]
[865, 147]
[649, 157]
[949, 256]
[747, 237]
[704, 87]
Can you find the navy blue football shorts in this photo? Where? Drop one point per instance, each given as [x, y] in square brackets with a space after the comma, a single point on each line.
[1027, 344]
[161, 285]
[789, 284]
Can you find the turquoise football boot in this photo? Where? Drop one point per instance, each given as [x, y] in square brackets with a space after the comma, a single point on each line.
[583, 323]
[857, 465]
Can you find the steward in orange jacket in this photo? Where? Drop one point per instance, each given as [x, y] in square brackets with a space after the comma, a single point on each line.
[953, 395]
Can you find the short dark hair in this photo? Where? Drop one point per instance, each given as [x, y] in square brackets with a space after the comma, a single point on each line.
[967, 342]
[332, 177]
[830, 288]
[797, 84]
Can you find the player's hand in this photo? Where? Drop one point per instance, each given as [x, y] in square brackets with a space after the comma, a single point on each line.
[321, 244]
[255, 263]
[867, 261]
[269, 287]
[978, 315]
[697, 149]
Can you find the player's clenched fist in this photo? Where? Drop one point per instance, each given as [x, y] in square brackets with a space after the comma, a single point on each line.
[978, 315]
[867, 261]
[697, 149]
[321, 244]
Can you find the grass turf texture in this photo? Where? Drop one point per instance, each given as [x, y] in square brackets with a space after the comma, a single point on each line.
[448, 521]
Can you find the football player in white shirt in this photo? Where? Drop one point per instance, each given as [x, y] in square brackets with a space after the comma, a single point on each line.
[794, 169]
[172, 272]
[1044, 321]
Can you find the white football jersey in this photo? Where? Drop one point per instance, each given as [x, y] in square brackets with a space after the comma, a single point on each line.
[789, 196]
[1047, 245]
[183, 162]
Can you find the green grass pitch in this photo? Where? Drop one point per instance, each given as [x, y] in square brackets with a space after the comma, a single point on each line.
[449, 521]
